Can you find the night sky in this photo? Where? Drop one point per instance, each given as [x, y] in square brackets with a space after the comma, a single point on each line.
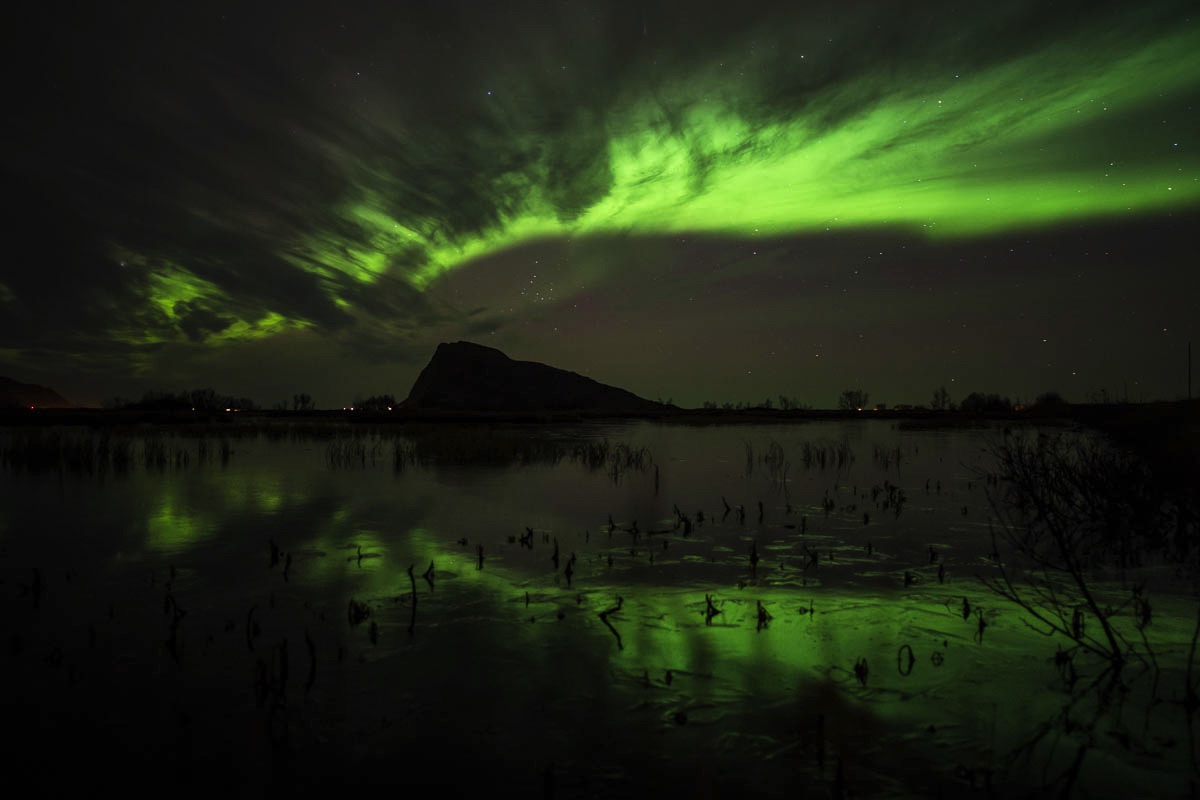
[693, 201]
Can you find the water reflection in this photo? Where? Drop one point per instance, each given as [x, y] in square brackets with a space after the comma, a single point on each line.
[864, 676]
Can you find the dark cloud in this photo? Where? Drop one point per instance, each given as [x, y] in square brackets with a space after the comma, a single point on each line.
[192, 180]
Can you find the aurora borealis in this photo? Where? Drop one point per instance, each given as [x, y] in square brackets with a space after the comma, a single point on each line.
[695, 201]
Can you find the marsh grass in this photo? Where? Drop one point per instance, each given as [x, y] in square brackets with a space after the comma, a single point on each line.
[720, 689]
[112, 451]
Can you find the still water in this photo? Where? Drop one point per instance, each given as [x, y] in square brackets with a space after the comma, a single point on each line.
[615, 610]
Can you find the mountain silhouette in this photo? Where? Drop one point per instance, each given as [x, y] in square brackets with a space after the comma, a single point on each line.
[463, 376]
[23, 395]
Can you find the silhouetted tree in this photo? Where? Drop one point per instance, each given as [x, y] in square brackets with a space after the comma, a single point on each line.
[1050, 399]
[853, 400]
[380, 402]
[941, 400]
[978, 403]
[1050, 403]
[207, 400]
[195, 400]
[302, 402]
[789, 403]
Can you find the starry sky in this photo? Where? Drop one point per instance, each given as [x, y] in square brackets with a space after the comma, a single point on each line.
[695, 201]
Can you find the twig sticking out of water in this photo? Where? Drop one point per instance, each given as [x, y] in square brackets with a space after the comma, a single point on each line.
[554, 558]
[861, 670]
[811, 557]
[710, 610]
[604, 618]
[764, 617]
[429, 576]
[753, 559]
[980, 625]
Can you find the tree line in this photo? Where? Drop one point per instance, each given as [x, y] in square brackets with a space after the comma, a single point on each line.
[860, 400]
[207, 399]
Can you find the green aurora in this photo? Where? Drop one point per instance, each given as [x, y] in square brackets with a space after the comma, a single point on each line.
[1052, 136]
[1026, 143]
[207, 194]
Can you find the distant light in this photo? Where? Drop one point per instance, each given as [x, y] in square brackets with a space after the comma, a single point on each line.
[229, 409]
[31, 408]
[389, 408]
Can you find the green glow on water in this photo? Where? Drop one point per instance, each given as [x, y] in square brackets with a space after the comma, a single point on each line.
[173, 525]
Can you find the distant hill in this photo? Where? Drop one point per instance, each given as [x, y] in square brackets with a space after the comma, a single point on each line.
[463, 376]
[24, 395]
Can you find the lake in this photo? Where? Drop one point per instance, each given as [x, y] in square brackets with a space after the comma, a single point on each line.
[625, 609]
